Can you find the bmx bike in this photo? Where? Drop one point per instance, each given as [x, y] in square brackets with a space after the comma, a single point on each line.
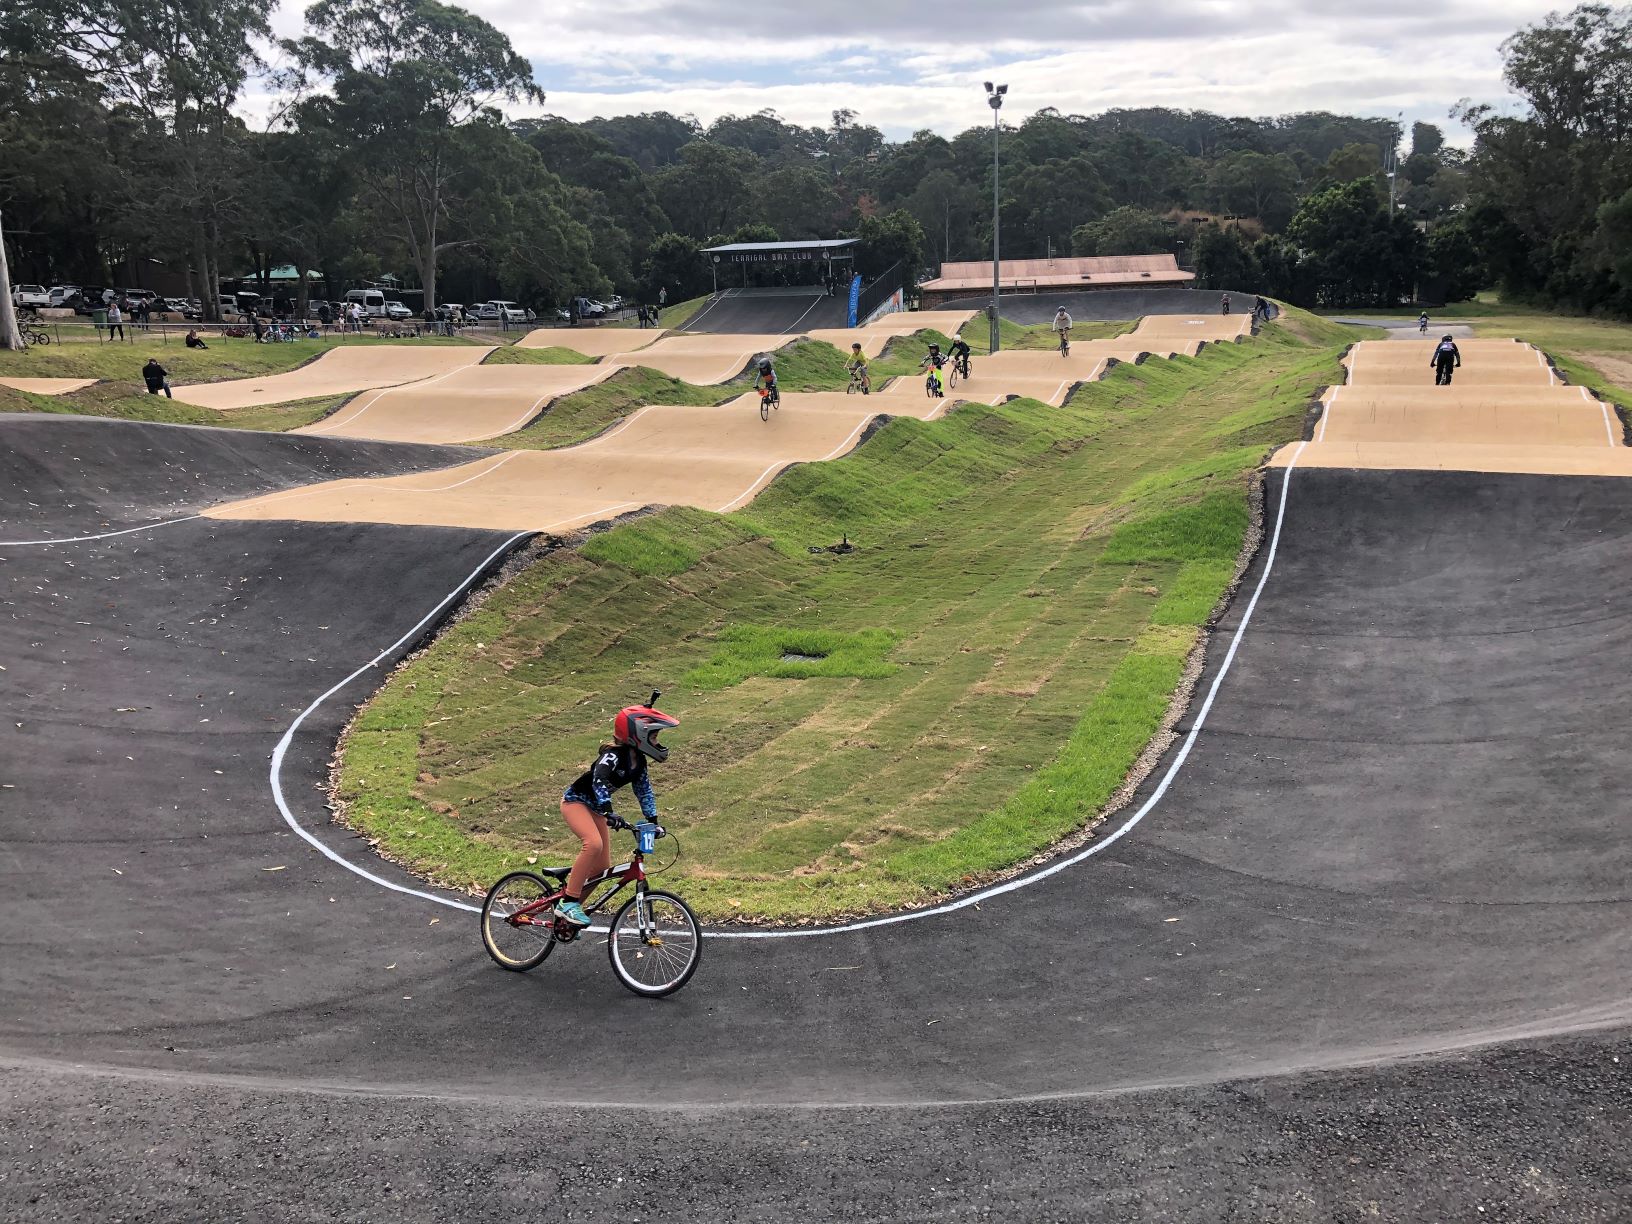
[769, 397]
[653, 940]
[1065, 344]
[957, 368]
[33, 335]
[858, 382]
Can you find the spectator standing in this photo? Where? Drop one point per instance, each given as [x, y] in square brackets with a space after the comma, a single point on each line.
[325, 316]
[662, 296]
[116, 321]
[258, 327]
[156, 377]
[572, 312]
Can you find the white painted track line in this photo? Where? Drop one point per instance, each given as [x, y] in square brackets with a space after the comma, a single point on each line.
[106, 535]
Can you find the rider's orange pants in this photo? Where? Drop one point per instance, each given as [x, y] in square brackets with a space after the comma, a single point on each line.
[596, 856]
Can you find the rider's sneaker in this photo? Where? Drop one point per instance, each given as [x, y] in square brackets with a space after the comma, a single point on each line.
[573, 912]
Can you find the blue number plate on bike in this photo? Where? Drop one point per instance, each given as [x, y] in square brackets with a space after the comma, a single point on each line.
[645, 836]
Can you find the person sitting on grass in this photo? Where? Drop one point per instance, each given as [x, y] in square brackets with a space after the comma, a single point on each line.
[156, 377]
[194, 340]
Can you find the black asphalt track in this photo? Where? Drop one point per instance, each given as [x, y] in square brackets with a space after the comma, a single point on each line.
[1401, 834]
[74, 475]
[1104, 305]
[780, 312]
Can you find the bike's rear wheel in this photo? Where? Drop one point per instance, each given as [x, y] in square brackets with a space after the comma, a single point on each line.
[655, 944]
[524, 943]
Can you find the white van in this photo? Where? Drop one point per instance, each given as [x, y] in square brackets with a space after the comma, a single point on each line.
[371, 300]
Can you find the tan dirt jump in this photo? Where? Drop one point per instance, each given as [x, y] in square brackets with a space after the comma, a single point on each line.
[702, 358]
[464, 405]
[592, 341]
[46, 386]
[716, 458]
[1506, 410]
[339, 371]
[713, 457]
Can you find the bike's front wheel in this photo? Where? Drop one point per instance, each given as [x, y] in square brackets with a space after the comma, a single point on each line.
[517, 931]
[655, 944]
[764, 407]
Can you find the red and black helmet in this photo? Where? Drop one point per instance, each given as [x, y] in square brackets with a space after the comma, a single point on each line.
[638, 726]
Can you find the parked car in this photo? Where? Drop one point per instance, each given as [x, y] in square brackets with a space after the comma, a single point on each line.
[503, 311]
[30, 295]
[88, 300]
[62, 295]
[397, 311]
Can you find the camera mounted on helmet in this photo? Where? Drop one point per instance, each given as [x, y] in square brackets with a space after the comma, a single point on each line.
[639, 726]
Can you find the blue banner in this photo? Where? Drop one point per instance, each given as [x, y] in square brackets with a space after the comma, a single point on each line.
[855, 299]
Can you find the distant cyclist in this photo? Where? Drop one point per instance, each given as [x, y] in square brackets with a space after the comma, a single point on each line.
[587, 804]
[933, 361]
[1224, 304]
[1422, 324]
[958, 354]
[857, 365]
[1446, 360]
[1062, 322]
[765, 381]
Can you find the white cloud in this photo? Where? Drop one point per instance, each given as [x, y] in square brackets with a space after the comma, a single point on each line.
[906, 66]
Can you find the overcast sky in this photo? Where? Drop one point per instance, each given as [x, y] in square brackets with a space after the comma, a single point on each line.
[905, 66]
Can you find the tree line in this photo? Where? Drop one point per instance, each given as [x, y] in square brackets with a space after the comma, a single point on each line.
[392, 150]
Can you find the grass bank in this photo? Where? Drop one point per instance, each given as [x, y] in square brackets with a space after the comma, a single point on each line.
[1037, 337]
[864, 731]
[583, 414]
[550, 355]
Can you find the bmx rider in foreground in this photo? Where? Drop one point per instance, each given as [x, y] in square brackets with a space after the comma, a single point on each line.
[587, 803]
[932, 362]
[857, 365]
[1446, 360]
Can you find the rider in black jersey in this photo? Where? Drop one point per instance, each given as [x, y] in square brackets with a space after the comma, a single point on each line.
[587, 804]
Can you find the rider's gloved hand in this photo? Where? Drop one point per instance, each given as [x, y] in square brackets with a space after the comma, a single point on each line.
[614, 821]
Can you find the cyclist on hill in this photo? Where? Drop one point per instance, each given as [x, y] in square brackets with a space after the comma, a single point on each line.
[1062, 322]
[857, 365]
[765, 380]
[958, 354]
[1446, 360]
[932, 362]
[587, 804]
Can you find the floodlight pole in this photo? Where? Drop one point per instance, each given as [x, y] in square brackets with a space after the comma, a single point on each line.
[994, 99]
